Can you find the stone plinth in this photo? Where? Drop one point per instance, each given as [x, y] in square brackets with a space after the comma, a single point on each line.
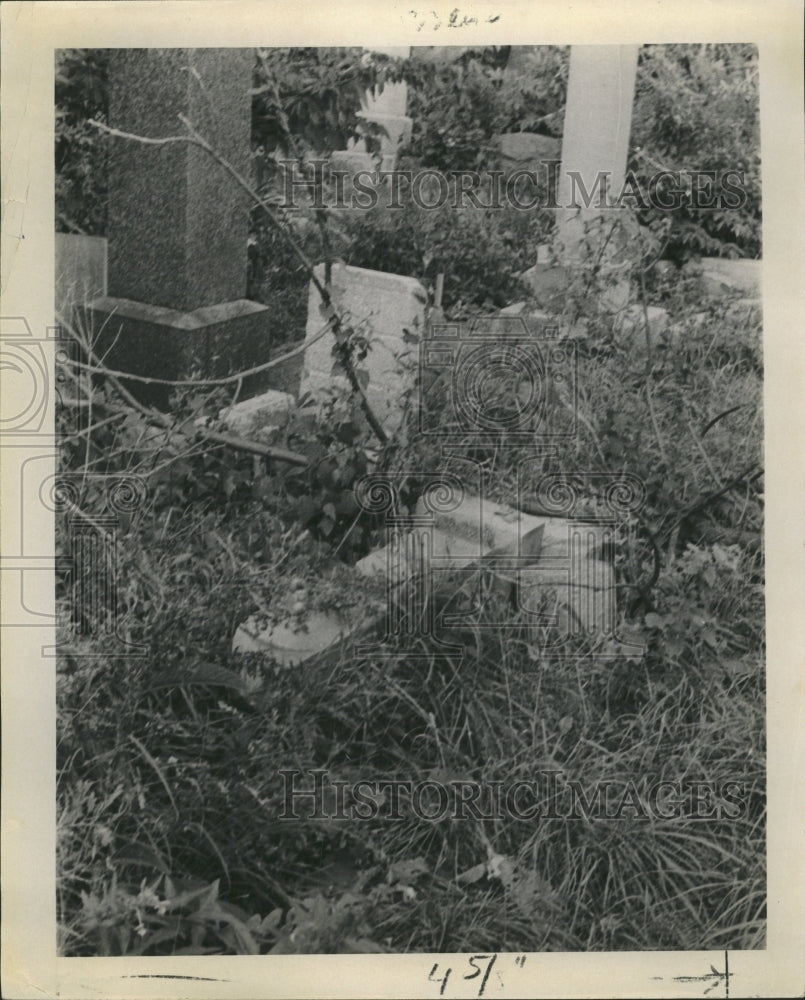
[153, 341]
[382, 306]
[178, 223]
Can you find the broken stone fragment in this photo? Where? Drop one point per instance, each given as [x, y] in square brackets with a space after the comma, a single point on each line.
[548, 284]
[633, 323]
[477, 532]
[720, 276]
[259, 415]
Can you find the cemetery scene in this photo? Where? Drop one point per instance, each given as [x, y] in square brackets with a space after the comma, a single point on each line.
[410, 500]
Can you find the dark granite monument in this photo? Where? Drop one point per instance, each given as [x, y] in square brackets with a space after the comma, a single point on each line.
[178, 222]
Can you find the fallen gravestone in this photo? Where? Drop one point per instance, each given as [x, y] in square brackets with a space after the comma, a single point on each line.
[473, 538]
[478, 532]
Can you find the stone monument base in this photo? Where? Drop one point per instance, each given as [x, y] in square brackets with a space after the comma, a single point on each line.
[157, 342]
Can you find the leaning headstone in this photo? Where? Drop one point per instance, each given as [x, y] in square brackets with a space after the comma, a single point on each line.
[178, 223]
[389, 310]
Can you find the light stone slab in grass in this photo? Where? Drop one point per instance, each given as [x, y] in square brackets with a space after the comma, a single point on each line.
[294, 643]
[721, 276]
[260, 414]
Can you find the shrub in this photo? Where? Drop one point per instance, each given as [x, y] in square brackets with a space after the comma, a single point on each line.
[696, 108]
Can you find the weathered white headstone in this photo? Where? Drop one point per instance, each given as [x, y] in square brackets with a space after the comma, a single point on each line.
[595, 139]
[387, 107]
[381, 306]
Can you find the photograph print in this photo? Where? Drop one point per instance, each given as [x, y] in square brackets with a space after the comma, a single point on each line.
[409, 501]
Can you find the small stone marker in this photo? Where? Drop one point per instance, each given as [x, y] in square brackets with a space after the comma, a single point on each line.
[384, 306]
[291, 645]
[259, 415]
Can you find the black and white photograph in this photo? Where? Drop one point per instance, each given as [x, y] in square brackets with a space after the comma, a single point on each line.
[396, 532]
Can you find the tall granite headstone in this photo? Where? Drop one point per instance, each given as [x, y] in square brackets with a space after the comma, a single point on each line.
[178, 222]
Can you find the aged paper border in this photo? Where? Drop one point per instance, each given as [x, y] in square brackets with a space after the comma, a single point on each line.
[31, 31]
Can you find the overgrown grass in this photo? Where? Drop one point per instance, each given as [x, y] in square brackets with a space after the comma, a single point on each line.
[171, 836]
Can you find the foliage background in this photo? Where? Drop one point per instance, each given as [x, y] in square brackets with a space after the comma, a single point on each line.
[696, 107]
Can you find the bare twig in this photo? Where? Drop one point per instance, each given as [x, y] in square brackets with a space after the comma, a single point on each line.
[255, 448]
[649, 392]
